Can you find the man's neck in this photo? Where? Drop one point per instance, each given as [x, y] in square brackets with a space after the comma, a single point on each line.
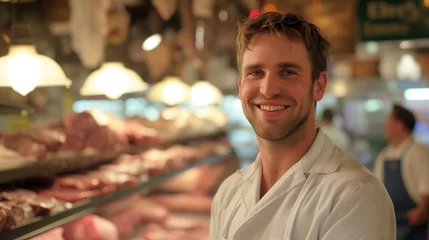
[278, 156]
[399, 140]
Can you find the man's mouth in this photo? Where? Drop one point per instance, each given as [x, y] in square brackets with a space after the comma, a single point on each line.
[272, 108]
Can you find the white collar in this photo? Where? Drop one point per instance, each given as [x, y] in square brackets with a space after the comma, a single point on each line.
[320, 158]
[399, 150]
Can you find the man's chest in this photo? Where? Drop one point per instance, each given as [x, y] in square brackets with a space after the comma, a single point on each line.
[297, 213]
[294, 214]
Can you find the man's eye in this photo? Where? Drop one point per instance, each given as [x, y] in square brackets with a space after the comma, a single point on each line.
[287, 73]
[256, 73]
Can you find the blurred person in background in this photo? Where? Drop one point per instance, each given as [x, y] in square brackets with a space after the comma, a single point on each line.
[336, 134]
[403, 167]
[301, 186]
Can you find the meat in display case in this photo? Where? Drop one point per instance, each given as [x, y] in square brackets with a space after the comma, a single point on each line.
[140, 187]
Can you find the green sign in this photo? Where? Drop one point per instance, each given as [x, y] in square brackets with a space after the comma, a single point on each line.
[393, 19]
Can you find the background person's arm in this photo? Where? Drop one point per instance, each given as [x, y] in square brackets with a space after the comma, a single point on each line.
[420, 171]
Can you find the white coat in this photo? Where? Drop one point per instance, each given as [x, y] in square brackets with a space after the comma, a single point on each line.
[338, 136]
[327, 195]
[415, 166]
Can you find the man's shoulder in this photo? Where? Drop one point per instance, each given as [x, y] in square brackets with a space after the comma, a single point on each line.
[419, 147]
[228, 187]
[352, 176]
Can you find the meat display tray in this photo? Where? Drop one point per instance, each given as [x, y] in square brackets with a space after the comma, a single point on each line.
[21, 169]
[42, 224]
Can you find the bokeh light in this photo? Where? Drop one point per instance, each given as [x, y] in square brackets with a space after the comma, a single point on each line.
[270, 8]
[254, 13]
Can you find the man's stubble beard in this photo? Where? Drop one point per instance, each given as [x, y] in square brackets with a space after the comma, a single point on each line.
[296, 124]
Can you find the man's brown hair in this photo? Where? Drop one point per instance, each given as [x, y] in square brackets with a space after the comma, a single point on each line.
[405, 116]
[295, 27]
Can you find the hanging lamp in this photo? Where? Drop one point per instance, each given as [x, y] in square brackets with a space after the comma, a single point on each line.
[113, 79]
[23, 69]
[171, 91]
[203, 93]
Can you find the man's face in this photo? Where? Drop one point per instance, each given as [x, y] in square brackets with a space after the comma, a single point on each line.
[275, 88]
[391, 127]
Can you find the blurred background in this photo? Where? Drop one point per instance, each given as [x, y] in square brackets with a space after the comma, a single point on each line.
[380, 56]
[162, 61]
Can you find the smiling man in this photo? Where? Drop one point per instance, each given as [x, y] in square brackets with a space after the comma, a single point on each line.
[301, 186]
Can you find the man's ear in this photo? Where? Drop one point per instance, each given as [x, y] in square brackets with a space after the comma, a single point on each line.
[319, 86]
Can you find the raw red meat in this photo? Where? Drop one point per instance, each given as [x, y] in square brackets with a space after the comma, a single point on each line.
[90, 227]
[52, 138]
[105, 138]
[127, 159]
[6, 219]
[54, 234]
[13, 214]
[119, 206]
[124, 224]
[75, 142]
[20, 195]
[101, 130]
[178, 222]
[199, 180]
[78, 181]
[117, 179]
[188, 154]
[24, 145]
[95, 180]
[184, 202]
[137, 133]
[157, 232]
[74, 195]
[7, 153]
[146, 211]
[20, 212]
[128, 164]
[80, 122]
[35, 142]
[155, 161]
[41, 205]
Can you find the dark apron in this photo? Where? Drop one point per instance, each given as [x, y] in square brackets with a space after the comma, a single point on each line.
[401, 200]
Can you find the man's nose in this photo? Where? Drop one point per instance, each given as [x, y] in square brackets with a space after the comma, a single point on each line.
[270, 86]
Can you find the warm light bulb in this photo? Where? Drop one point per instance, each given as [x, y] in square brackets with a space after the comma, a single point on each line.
[204, 93]
[171, 91]
[270, 8]
[23, 70]
[173, 94]
[254, 13]
[112, 80]
[152, 42]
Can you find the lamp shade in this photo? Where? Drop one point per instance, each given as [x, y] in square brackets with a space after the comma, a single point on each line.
[203, 93]
[24, 69]
[112, 80]
[171, 91]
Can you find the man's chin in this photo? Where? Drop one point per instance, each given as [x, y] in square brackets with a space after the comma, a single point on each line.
[272, 136]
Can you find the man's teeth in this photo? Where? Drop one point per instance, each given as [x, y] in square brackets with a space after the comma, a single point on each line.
[271, 108]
